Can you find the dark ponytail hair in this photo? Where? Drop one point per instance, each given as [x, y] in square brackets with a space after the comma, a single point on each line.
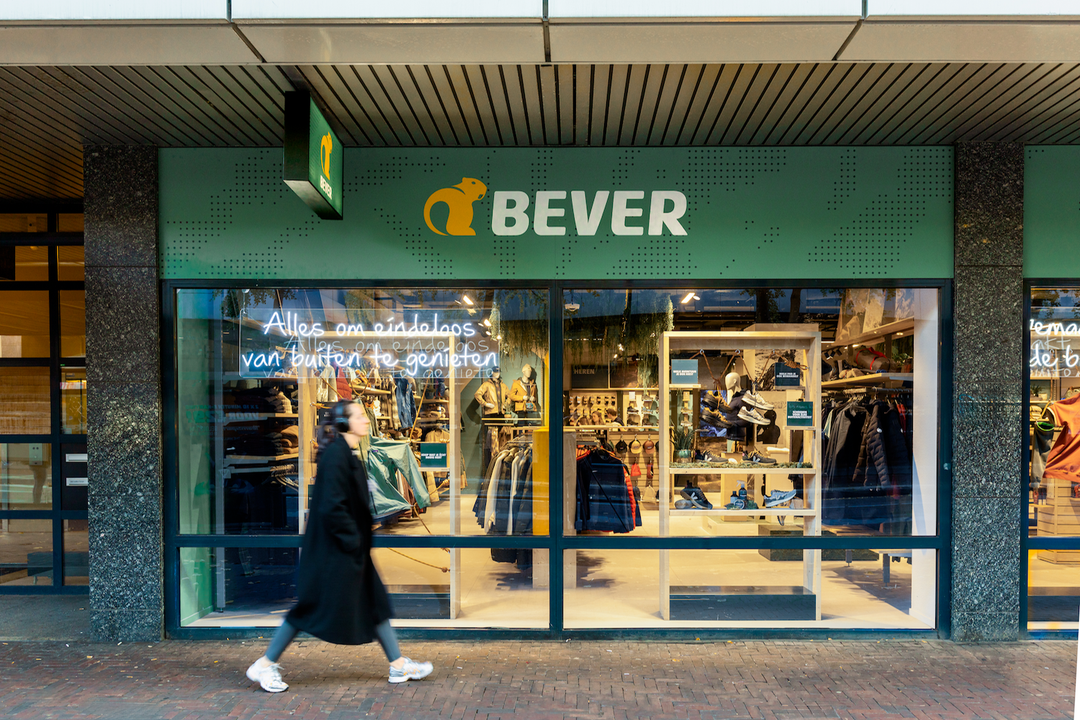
[328, 431]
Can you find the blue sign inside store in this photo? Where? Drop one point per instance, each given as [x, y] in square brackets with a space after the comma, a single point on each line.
[684, 372]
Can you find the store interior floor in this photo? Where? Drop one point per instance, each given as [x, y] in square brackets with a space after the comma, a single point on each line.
[621, 588]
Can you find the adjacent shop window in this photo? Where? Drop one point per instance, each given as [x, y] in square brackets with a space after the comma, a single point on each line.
[767, 413]
[25, 476]
[454, 382]
[1053, 479]
[72, 323]
[24, 397]
[24, 263]
[24, 324]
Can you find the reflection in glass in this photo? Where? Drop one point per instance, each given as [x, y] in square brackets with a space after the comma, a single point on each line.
[454, 383]
[72, 323]
[24, 263]
[25, 476]
[26, 552]
[24, 222]
[70, 262]
[24, 324]
[1054, 425]
[835, 588]
[73, 401]
[1053, 589]
[76, 552]
[69, 222]
[255, 587]
[236, 587]
[24, 397]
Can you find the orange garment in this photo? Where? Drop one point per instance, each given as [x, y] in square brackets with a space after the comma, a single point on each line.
[1063, 462]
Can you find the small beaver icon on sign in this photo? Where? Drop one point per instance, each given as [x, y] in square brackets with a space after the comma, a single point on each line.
[459, 199]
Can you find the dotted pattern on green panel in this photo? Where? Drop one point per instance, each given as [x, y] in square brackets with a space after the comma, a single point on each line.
[751, 213]
[1052, 211]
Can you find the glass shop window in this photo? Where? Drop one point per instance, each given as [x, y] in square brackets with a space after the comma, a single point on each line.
[1053, 478]
[454, 383]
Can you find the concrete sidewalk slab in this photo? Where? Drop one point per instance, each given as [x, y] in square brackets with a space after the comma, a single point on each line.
[768, 680]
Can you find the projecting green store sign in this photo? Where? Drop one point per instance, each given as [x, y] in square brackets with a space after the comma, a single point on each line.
[313, 156]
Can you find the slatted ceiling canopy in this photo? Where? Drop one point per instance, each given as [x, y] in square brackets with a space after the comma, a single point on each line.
[48, 113]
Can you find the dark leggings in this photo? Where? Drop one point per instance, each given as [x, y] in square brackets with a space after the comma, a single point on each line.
[285, 634]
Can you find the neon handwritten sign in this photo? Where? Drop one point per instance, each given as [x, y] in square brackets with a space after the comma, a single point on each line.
[418, 350]
[1052, 354]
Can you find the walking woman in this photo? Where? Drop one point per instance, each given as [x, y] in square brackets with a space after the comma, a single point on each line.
[341, 598]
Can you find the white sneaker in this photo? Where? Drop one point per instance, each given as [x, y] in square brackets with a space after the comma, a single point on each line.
[751, 415]
[752, 398]
[268, 677]
[410, 671]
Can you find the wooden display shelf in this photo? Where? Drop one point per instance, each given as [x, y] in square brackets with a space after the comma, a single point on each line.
[888, 329]
[868, 380]
[760, 469]
[616, 428]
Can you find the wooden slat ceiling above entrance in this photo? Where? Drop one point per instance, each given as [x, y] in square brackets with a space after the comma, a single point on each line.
[48, 113]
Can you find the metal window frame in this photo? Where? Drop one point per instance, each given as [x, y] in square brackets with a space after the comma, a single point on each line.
[55, 438]
[1027, 543]
[555, 542]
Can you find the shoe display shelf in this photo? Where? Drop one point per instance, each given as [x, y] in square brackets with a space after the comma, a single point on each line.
[675, 398]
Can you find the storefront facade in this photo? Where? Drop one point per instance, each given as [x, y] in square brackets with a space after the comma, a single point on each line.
[587, 277]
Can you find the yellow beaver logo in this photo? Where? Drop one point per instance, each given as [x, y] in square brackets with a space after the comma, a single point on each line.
[325, 148]
[459, 199]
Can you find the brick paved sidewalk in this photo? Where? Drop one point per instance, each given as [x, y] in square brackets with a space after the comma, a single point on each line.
[545, 681]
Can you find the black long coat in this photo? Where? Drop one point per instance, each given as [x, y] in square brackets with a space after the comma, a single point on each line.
[341, 598]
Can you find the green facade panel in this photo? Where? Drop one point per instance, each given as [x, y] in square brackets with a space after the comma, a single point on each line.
[1052, 212]
[565, 213]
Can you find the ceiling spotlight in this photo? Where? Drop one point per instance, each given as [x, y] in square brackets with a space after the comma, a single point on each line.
[697, 297]
[487, 322]
[467, 299]
[689, 296]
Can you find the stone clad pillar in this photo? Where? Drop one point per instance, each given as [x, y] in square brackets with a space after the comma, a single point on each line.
[988, 384]
[123, 368]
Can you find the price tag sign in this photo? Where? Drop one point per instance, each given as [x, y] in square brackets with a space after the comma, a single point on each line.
[432, 456]
[684, 372]
[800, 414]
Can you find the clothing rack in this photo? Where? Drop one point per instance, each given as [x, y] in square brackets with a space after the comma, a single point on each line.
[867, 391]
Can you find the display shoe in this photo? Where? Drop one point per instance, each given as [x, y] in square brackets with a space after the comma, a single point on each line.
[752, 416]
[714, 402]
[757, 458]
[681, 504]
[706, 456]
[711, 417]
[778, 497]
[752, 398]
[696, 497]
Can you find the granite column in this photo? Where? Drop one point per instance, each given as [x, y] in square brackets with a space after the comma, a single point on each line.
[988, 381]
[123, 361]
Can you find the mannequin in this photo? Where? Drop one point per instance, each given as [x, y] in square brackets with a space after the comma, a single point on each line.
[493, 395]
[523, 393]
[731, 384]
